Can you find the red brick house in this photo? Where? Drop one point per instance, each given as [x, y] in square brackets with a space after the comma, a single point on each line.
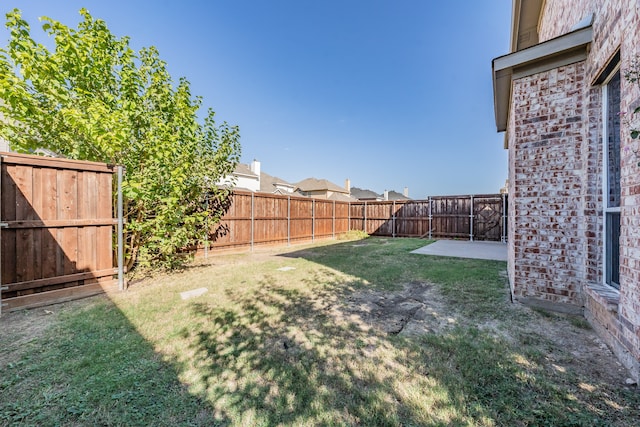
[574, 174]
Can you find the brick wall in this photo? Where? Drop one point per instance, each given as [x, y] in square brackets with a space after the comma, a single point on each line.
[559, 16]
[629, 307]
[555, 164]
[547, 154]
[592, 185]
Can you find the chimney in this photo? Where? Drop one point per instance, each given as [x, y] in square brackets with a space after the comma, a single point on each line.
[255, 167]
[405, 192]
[347, 185]
[386, 195]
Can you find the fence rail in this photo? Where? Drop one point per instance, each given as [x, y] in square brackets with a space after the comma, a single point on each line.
[254, 219]
[57, 229]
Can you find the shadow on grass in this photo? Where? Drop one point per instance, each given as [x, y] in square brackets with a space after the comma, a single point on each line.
[284, 356]
[93, 368]
[287, 357]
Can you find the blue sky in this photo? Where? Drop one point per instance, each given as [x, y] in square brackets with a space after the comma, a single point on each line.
[390, 94]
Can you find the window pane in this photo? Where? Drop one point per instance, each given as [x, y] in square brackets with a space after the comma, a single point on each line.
[613, 141]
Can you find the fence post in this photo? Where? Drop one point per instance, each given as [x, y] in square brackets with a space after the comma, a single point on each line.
[313, 220]
[430, 216]
[206, 228]
[364, 215]
[252, 219]
[471, 221]
[2, 225]
[393, 219]
[349, 217]
[288, 220]
[120, 232]
[504, 218]
[333, 221]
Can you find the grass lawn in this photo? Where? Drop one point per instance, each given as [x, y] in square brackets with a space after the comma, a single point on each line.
[352, 333]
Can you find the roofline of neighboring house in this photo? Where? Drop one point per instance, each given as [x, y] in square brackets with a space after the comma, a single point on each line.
[563, 50]
[248, 175]
[284, 184]
[325, 185]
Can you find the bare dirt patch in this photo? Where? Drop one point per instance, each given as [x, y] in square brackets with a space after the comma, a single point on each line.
[21, 328]
[575, 348]
[567, 342]
[415, 309]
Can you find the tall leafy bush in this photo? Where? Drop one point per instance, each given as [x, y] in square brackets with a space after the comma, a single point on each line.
[93, 97]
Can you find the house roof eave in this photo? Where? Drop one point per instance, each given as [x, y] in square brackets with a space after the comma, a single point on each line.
[525, 17]
[564, 50]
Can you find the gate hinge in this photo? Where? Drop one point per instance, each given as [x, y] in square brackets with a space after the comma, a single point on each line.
[4, 225]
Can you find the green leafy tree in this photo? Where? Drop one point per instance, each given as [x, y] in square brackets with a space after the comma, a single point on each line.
[94, 98]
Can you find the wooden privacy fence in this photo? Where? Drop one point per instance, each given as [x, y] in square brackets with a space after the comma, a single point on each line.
[268, 219]
[56, 239]
[476, 217]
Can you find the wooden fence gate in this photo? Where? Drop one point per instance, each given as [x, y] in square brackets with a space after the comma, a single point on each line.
[489, 217]
[57, 230]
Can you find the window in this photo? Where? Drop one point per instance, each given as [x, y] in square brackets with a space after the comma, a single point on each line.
[611, 179]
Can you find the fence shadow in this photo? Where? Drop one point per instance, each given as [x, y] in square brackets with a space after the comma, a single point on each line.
[84, 363]
[486, 377]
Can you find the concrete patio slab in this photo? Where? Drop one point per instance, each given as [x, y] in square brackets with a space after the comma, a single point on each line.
[466, 249]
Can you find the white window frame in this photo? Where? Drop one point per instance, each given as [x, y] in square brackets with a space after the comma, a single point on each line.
[605, 178]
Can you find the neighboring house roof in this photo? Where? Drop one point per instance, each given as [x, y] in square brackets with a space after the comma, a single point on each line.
[240, 189]
[313, 184]
[342, 197]
[362, 194]
[272, 184]
[243, 177]
[243, 169]
[394, 195]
